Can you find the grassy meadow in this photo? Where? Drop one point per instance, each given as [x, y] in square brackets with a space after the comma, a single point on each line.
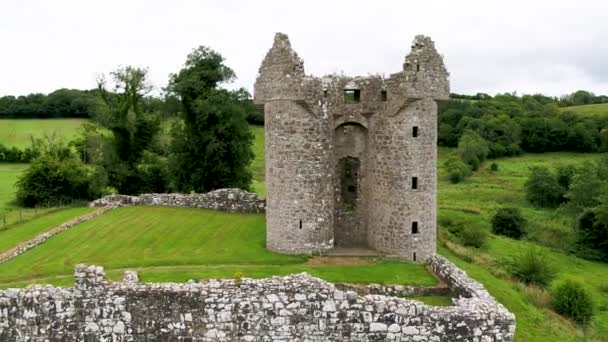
[17, 132]
[600, 109]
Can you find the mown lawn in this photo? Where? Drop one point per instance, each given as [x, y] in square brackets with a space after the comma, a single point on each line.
[17, 132]
[14, 234]
[177, 244]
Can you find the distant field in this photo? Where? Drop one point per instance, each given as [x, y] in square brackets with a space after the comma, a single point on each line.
[17, 133]
[600, 109]
[8, 177]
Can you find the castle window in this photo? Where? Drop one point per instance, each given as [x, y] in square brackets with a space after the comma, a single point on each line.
[414, 227]
[414, 182]
[352, 95]
[384, 95]
[417, 66]
[415, 131]
[300, 224]
[325, 93]
[414, 256]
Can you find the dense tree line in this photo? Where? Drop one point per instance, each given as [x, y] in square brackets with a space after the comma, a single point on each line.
[196, 138]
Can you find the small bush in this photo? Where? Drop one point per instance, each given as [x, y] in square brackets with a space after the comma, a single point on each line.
[509, 222]
[494, 167]
[458, 171]
[543, 189]
[571, 299]
[534, 268]
[51, 180]
[473, 236]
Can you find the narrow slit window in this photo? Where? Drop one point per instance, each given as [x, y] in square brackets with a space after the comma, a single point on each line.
[384, 95]
[352, 95]
[417, 66]
[325, 93]
[300, 224]
[414, 182]
[415, 131]
[414, 256]
[414, 227]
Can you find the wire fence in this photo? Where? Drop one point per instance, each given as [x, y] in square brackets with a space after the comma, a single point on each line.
[14, 215]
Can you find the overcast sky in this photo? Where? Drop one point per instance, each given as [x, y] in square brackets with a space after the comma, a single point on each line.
[552, 47]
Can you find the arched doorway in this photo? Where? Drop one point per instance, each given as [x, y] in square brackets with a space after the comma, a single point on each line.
[350, 229]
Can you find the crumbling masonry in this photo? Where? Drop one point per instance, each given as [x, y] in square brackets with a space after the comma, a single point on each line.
[351, 162]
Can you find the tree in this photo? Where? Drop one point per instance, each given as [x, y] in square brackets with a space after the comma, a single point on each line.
[509, 222]
[543, 189]
[212, 148]
[472, 149]
[133, 130]
[585, 189]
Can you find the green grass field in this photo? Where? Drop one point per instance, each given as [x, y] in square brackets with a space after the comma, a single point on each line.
[16, 132]
[600, 109]
[8, 176]
[177, 244]
[14, 234]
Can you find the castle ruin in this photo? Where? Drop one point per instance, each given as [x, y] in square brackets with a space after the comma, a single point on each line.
[351, 161]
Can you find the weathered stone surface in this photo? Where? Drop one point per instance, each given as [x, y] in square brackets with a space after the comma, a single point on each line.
[338, 171]
[231, 200]
[292, 308]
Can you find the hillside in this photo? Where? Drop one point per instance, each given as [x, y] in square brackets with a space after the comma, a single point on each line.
[600, 109]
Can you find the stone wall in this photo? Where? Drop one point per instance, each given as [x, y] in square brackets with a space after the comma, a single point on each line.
[231, 200]
[291, 308]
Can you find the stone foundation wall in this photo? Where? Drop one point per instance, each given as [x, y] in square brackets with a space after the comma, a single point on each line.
[231, 200]
[291, 308]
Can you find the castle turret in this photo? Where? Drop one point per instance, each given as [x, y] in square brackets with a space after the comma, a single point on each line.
[424, 71]
[299, 164]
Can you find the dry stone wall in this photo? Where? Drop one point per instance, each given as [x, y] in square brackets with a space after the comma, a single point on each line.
[291, 308]
[231, 200]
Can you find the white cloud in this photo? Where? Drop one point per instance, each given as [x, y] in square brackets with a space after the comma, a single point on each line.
[551, 47]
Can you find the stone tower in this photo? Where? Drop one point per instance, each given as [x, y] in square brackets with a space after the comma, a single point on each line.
[351, 161]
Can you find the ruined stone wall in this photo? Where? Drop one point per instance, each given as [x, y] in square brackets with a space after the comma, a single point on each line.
[291, 308]
[231, 200]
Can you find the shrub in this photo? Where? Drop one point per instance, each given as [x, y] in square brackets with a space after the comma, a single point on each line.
[473, 236]
[457, 170]
[592, 235]
[472, 149]
[571, 299]
[542, 188]
[533, 267]
[51, 179]
[238, 278]
[494, 167]
[509, 222]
